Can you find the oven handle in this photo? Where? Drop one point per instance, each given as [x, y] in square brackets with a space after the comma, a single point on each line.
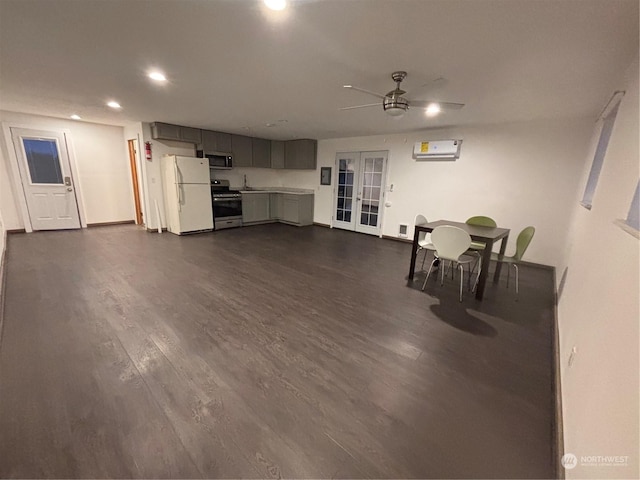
[225, 199]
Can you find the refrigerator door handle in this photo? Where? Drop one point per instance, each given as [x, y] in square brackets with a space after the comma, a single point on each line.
[175, 168]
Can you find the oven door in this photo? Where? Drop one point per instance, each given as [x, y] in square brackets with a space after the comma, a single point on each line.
[227, 211]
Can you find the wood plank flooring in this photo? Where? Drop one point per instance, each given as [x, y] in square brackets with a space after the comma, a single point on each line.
[265, 352]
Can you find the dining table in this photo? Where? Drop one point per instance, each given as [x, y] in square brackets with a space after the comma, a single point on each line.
[487, 235]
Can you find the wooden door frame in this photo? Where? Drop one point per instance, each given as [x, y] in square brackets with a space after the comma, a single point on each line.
[18, 186]
[135, 181]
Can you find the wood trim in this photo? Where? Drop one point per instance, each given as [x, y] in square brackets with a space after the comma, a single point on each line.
[557, 442]
[134, 180]
[17, 230]
[318, 224]
[155, 230]
[106, 224]
[3, 266]
[397, 239]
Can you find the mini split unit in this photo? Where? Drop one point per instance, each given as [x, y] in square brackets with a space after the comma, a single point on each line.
[437, 150]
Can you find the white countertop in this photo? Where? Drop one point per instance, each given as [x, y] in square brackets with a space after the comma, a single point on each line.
[293, 191]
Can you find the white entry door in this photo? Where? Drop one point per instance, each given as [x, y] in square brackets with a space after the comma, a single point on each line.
[43, 161]
[359, 193]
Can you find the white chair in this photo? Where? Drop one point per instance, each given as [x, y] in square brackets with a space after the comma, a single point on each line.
[450, 243]
[424, 239]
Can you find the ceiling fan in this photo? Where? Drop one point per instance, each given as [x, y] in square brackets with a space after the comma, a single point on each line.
[396, 105]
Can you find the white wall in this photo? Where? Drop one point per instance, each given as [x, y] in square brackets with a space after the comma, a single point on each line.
[519, 174]
[103, 168]
[599, 308]
[153, 176]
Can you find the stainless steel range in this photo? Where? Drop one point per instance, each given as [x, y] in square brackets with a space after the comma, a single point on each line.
[227, 205]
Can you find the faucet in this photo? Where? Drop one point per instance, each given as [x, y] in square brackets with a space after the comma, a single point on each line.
[244, 183]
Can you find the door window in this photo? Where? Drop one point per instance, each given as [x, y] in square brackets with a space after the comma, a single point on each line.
[43, 161]
[344, 208]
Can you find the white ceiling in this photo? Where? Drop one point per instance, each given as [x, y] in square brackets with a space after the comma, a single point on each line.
[235, 66]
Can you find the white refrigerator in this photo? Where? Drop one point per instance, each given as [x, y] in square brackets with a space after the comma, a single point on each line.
[187, 194]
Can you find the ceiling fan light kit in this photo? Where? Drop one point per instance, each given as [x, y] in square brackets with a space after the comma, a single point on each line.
[395, 104]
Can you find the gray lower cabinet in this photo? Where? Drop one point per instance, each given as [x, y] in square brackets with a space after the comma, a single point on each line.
[167, 131]
[255, 208]
[300, 154]
[277, 207]
[216, 141]
[261, 152]
[297, 209]
[242, 149]
[275, 204]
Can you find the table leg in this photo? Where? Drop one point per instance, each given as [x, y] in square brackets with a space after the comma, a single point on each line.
[486, 259]
[503, 248]
[414, 254]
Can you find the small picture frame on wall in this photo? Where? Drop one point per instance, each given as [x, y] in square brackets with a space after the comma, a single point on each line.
[325, 175]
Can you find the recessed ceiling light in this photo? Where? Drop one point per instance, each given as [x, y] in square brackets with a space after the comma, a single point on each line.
[433, 110]
[113, 104]
[157, 76]
[276, 4]
[75, 116]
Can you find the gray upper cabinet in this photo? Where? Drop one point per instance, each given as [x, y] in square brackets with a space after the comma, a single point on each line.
[167, 131]
[261, 149]
[191, 135]
[216, 141]
[300, 154]
[277, 154]
[242, 150]
[247, 151]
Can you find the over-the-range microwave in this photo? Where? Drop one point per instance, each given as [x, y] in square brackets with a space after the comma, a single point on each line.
[218, 160]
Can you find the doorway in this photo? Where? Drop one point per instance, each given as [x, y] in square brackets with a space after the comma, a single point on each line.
[133, 162]
[47, 181]
[359, 193]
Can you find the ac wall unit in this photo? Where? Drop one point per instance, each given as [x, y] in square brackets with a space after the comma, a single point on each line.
[437, 150]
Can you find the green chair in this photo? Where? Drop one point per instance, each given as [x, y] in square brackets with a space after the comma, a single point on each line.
[481, 222]
[477, 247]
[522, 243]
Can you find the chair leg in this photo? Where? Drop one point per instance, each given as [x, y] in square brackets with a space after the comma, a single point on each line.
[508, 275]
[461, 279]
[515, 267]
[428, 273]
[475, 284]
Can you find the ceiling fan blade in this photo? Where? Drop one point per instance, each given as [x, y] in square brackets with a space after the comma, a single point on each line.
[362, 106]
[365, 91]
[443, 105]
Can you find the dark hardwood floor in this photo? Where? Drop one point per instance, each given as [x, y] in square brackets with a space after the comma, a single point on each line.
[267, 351]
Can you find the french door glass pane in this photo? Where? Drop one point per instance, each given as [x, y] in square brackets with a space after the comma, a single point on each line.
[344, 205]
[43, 160]
[371, 190]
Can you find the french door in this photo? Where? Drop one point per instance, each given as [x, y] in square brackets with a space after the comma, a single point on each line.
[43, 162]
[359, 192]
